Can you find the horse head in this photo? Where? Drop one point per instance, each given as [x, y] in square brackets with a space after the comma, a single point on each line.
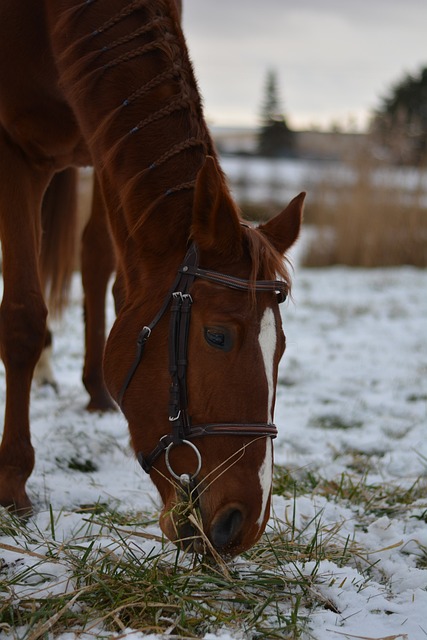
[200, 401]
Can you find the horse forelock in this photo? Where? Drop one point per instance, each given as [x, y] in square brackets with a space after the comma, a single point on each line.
[266, 262]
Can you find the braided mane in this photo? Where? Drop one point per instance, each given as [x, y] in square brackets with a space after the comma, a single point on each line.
[139, 53]
[144, 44]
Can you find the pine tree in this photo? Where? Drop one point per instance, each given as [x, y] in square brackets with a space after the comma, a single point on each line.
[400, 124]
[275, 139]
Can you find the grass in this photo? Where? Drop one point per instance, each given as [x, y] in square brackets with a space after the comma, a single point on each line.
[370, 222]
[373, 215]
[352, 490]
[121, 587]
[112, 574]
[333, 421]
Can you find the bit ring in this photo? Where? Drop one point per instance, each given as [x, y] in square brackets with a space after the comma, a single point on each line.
[184, 478]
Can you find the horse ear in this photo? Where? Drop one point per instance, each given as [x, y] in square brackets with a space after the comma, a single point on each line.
[216, 222]
[283, 229]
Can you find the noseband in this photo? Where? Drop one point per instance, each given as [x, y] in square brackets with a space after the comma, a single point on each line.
[180, 302]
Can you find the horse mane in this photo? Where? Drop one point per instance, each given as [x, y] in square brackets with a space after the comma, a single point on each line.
[154, 34]
[161, 33]
[145, 40]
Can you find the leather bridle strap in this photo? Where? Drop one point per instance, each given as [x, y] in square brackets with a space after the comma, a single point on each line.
[260, 430]
[233, 428]
[240, 284]
[178, 341]
[190, 258]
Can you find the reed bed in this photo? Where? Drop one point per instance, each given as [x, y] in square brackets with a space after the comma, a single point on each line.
[371, 222]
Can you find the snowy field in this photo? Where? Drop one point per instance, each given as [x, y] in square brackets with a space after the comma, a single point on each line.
[260, 180]
[351, 404]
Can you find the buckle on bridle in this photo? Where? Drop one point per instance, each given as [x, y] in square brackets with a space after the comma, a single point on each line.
[144, 334]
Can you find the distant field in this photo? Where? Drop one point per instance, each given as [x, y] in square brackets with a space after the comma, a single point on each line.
[369, 216]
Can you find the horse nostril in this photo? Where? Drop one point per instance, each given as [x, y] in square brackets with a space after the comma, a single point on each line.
[226, 527]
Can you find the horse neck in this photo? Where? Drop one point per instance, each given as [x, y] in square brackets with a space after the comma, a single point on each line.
[126, 73]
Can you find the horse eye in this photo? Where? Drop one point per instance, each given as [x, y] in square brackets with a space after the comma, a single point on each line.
[218, 338]
[214, 338]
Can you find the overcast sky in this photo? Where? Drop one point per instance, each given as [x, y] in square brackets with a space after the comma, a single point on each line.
[334, 59]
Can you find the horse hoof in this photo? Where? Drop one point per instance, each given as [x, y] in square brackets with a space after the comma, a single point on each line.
[13, 496]
[20, 505]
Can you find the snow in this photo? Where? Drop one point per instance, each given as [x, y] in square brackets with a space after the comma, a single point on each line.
[261, 180]
[352, 395]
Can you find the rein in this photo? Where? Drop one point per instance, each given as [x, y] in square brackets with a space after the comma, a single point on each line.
[180, 302]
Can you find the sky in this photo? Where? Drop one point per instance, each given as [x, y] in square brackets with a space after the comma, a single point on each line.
[334, 59]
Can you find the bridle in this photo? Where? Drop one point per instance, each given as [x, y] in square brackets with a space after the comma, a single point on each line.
[180, 302]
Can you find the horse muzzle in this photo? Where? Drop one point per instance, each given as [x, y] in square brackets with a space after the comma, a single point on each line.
[192, 527]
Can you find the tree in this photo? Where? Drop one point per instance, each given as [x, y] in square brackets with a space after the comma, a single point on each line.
[275, 139]
[400, 124]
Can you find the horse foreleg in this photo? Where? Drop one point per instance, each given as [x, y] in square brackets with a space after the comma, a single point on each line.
[22, 315]
[97, 264]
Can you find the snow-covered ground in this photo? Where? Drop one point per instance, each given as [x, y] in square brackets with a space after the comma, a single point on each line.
[254, 179]
[352, 399]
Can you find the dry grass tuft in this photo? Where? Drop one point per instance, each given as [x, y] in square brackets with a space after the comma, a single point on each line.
[378, 219]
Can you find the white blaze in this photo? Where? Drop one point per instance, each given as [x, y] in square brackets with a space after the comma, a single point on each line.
[265, 475]
[268, 342]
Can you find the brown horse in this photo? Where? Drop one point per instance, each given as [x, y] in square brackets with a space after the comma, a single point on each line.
[192, 358]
